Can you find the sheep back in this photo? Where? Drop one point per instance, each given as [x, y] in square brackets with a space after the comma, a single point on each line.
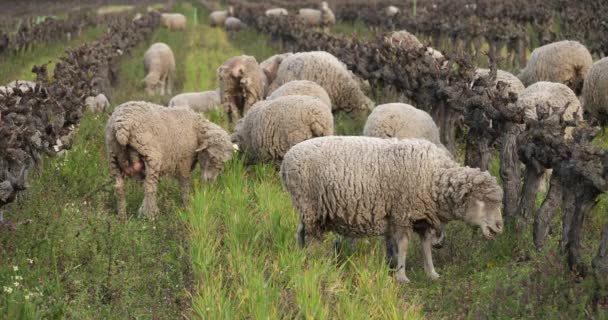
[303, 88]
[548, 98]
[400, 120]
[595, 90]
[197, 101]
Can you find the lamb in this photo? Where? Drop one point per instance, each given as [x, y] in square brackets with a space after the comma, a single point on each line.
[97, 104]
[242, 83]
[274, 126]
[564, 62]
[402, 121]
[173, 21]
[159, 66]
[276, 12]
[233, 25]
[218, 18]
[304, 88]
[323, 17]
[149, 141]
[197, 101]
[330, 73]
[365, 186]
[595, 91]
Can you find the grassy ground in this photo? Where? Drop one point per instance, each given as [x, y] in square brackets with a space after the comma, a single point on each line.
[231, 253]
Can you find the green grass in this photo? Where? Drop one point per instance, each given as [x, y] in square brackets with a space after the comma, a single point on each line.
[231, 253]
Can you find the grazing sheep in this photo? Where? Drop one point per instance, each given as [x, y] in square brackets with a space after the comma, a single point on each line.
[274, 126]
[218, 18]
[391, 11]
[276, 12]
[564, 62]
[402, 121]
[595, 91]
[303, 88]
[137, 16]
[97, 104]
[233, 25]
[323, 17]
[330, 73]
[242, 83]
[513, 83]
[363, 186]
[173, 21]
[149, 141]
[271, 65]
[197, 101]
[409, 41]
[159, 66]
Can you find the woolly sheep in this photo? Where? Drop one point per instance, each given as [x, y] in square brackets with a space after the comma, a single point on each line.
[391, 11]
[409, 41]
[23, 85]
[564, 62]
[364, 186]
[149, 141]
[271, 65]
[400, 120]
[97, 104]
[514, 85]
[218, 18]
[595, 91]
[159, 66]
[323, 17]
[242, 83]
[197, 101]
[304, 88]
[274, 126]
[173, 21]
[330, 73]
[276, 12]
[233, 25]
[137, 16]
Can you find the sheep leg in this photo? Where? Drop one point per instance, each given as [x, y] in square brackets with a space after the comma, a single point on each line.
[301, 235]
[169, 83]
[427, 243]
[120, 195]
[184, 182]
[402, 238]
[391, 251]
[148, 207]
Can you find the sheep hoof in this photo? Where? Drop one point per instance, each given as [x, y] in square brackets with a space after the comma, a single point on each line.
[433, 275]
[402, 278]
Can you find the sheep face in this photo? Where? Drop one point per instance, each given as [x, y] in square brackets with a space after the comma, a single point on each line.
[212, 159]
[485, 214]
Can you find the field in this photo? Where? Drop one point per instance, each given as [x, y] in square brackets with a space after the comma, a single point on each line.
[231, 253]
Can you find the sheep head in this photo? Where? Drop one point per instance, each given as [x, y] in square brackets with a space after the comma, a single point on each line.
[214, 150]
[152, 83]
[483, 205]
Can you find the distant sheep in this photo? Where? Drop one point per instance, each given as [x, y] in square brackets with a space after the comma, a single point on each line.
[303, 88]
[197, 101]
[323, 17]
[97, 104]
[363, 186]
[409, 41]
[276, 12]
[595, 91]
[173, 21]
[159, 66]
[149, 141]
[565, 62]
[391, 11]
[218, 18]
[274, 126]
[330, 73]
[233, 25]
[242, 83]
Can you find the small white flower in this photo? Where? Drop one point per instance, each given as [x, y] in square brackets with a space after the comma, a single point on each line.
[7, 289]
[30, 261]
[27, 296]
[15, 268]
[18, 278]
[16, 284]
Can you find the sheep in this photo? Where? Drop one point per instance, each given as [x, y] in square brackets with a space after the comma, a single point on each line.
[218, 18]
[564, 62]
[391, 11]
[271, 65]
[276, 12]
[409, 41]
[23, 85]
[366, 186]
[330, 73]
[322, 17]
[159, 66]
[242, 83]
[97, 104]
[148, 141]
[274, 126]
[402, 121]
[197, 101]
[233, 25]
[302, 87]
[595, 91]
[137, 16]
[173, 21]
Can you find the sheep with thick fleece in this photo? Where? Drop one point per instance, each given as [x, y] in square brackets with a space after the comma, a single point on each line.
[402, 121]
[322, 17]
[302, 88]
[242, 83]
[364, 186]
[409, 41]
[276, 12]
[274, 126]
[197, 101]
[595, 91]
[564, 62]
[149, 141]
[233, 25]
[97, 104]
[159, 66]
[330, 73]
[173, 21]
[218, 18]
